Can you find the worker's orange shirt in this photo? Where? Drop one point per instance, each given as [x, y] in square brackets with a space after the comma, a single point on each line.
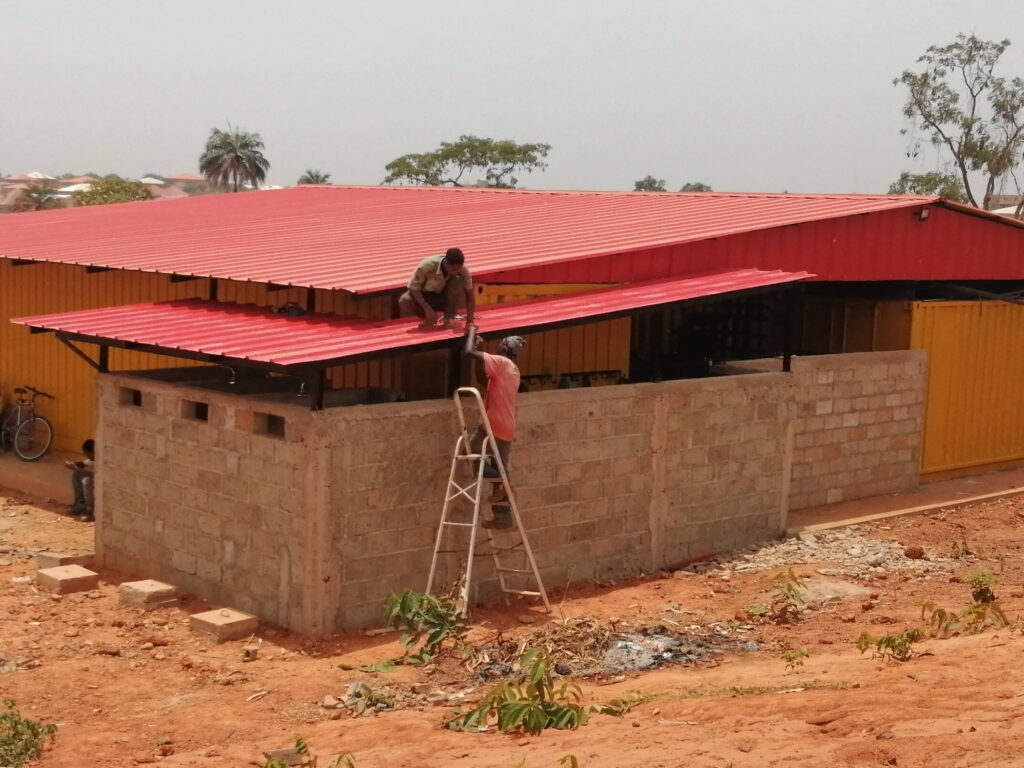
[502, 386]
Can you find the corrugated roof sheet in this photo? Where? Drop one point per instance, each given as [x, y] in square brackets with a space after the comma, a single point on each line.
[365, 239]
[247, 332]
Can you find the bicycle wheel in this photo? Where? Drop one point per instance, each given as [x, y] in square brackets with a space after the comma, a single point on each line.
[33, 438]
[7, 429]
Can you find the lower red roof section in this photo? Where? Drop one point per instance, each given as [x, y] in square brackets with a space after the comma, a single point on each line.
[248, 332]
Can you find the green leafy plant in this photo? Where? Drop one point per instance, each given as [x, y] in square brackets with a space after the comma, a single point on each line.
[790, 594]
[428, 618]
[971, 620]
[897, 647]
[21, 739]
[389, 665]
[981, 582]
[569, 761]
[535, 705]
[794, 658]
[756, 610]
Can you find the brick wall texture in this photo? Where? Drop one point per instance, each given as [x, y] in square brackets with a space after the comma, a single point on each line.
[312, 529]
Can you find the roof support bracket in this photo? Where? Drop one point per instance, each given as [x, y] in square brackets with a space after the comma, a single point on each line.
[101, 365]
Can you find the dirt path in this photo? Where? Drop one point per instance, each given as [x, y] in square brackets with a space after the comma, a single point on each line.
[125, 686]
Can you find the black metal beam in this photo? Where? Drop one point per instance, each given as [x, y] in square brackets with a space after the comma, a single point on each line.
[104, 359]
[274, 287]
[185, 278]
[213, 289]
[97, 270]
[23, 262]
[311, 299]
[99, 366]
[965, 289]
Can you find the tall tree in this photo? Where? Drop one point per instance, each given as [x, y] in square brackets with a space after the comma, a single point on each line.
[313, 176]
[449, 163]
[649, 184]
[36, 197]
[111, 189]
[946, 185]
[696, 186]
[233, 158]
[970, 114]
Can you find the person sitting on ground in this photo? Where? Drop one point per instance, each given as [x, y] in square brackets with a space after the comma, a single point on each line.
[500, 403]
[440, 284]
[82, 477]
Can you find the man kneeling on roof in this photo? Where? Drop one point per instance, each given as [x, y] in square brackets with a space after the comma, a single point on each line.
[500, 403]
[440, 284]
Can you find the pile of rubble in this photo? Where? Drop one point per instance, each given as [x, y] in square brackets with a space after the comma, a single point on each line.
[845, 551]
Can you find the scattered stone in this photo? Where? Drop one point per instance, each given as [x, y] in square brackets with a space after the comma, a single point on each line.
[290, 756]
[421, 688]
[914, 552]
[66, 579]
[159, 656]
[883, 735]
[224, 624]
[329, 702]
[107, 650]
[250, 652]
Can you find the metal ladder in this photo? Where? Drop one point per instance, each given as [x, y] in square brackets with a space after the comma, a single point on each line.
[474, 494]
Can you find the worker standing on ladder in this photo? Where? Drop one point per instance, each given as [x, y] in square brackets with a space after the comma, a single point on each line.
[502, 385]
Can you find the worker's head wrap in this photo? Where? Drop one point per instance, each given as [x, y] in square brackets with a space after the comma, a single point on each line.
[511, 346]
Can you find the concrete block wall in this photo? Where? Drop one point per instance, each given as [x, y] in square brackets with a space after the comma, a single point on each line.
[210, 506]
[313, 528]
[859, 425]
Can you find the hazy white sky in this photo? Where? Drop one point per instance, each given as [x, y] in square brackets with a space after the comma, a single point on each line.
[748, 95]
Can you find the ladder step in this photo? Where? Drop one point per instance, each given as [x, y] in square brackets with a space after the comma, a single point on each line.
[525, 592]
[469, 457]
[514, 570]
[465, 525]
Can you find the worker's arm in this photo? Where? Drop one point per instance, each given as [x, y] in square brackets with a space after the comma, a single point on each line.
[473, 342]
[470, 305]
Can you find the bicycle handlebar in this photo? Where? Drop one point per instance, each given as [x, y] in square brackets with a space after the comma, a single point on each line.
[37, 392]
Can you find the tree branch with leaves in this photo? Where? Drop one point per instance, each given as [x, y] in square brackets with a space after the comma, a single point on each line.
[968, 113]
[453, 162]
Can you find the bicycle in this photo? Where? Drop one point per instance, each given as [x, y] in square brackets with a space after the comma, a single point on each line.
[24, 430]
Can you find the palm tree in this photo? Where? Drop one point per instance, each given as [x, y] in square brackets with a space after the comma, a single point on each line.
[37, 197]
[313, 176]
[234, 157]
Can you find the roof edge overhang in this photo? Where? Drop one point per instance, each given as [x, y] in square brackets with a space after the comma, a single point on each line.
[394, 336]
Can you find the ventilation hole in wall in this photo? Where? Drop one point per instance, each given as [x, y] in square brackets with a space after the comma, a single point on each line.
[129, 396]
[192, 409]
[268, 424]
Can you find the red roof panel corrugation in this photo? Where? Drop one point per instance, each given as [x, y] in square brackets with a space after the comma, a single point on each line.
[365, 239]
[247, 332]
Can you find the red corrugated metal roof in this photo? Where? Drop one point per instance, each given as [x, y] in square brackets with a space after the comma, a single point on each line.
[247, 332]
[366, 239]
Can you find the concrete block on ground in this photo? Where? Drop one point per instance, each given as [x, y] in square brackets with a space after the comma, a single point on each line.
[224, 624]
[67, 578]
[148, 594]
[56, 559]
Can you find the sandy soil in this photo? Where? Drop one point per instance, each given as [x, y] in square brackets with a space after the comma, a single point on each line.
[168, 691]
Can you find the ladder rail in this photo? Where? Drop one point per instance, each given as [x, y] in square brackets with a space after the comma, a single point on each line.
[473, 492]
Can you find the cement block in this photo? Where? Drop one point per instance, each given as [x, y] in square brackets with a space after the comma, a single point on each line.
[67, 578]
[148, 594]
[56, 559]
[224, 624]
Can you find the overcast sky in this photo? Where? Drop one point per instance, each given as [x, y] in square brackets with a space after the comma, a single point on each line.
[748, 95]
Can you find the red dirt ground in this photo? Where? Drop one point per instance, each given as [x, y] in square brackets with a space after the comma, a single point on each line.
[961, 705]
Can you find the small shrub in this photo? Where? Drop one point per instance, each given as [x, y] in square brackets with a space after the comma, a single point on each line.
[622, 706]
[533, 707]
[430, 618]
[21, 739]
[961, 549]
[794, 658]
[756, 610]
[790, 594]
[891, 647]
[981, 586]
[971, 620]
